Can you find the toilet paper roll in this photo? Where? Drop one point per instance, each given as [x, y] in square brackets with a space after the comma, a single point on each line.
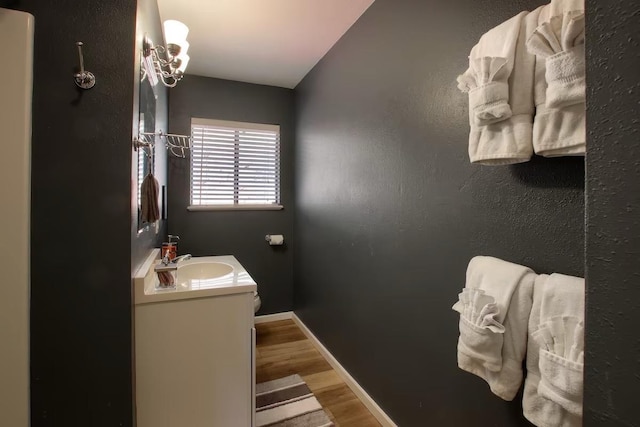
[275, 239]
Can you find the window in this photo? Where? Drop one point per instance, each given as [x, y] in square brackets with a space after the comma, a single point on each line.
[234, 165]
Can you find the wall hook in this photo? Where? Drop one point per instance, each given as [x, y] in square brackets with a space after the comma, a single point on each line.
[84, 79]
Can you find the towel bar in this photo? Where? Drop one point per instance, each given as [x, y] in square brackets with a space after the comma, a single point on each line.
[175, 143]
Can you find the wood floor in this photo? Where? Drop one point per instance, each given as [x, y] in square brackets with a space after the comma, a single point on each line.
[282, 349]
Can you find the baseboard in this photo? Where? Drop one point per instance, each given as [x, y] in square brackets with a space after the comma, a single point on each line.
[286, 315]
[371, 405]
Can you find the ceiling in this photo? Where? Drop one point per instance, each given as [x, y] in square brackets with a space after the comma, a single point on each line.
[271, 42]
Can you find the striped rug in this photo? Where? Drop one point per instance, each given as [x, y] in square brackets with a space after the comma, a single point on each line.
[288, 402]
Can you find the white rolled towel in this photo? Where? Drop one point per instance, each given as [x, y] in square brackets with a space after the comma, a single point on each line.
[560, 42]
[494, 309]
[499, 82]
[557, 41]
[489, 100]
[555, 357]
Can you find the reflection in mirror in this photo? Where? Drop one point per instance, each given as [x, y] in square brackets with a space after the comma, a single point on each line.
[147, 124]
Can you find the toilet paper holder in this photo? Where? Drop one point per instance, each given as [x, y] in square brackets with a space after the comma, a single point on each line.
[274, 239]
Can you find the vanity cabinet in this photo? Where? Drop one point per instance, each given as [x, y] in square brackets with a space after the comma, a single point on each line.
[194, 360]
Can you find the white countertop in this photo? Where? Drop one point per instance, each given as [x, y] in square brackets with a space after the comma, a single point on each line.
[235, 282]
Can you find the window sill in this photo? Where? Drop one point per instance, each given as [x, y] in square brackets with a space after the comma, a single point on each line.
[200, 208]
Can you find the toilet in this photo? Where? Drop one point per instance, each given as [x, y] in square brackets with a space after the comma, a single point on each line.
[256, 302]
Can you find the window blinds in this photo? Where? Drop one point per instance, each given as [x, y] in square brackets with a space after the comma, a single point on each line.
[234, 163]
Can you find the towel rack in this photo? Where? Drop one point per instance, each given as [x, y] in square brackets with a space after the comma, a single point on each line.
[147, 147]
[175, 143]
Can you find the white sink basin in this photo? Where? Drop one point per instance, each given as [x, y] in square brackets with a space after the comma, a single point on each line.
[201, 274]
[202, 270]
[197, 277]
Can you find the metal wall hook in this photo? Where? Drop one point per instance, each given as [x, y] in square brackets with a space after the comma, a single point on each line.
[148, 148]
[84, 79]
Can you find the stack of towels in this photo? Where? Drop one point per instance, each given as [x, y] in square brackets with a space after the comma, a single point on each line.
[508, 314]
[526, 86]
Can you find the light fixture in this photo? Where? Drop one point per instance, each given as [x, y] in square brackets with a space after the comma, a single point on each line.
[167, 63]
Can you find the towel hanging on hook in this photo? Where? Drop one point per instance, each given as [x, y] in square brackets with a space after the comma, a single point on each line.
[149, 191]
[151, 157]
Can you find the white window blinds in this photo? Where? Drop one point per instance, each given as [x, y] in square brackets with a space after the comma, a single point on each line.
[234, 163]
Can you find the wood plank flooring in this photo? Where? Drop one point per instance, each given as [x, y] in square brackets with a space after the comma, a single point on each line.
[282, 349]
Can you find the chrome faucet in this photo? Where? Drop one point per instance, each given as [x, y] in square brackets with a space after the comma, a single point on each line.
[181, 258]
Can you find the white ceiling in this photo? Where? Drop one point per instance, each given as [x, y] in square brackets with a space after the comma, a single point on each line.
[271, 42]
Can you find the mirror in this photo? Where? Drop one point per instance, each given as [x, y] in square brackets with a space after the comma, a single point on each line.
[146, 156]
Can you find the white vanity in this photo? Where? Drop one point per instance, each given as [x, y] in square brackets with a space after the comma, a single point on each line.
[194, 345]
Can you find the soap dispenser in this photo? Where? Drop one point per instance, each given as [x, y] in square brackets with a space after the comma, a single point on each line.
[170, 248]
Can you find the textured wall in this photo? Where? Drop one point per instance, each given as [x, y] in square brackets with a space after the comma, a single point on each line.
[612, 377]
[389, 210]
[240, 233]
[81, 215]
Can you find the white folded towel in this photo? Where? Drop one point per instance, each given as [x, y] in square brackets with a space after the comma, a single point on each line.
[499, 81]
[555, 357]
[494, 309]
[558, 44]
[558, 7]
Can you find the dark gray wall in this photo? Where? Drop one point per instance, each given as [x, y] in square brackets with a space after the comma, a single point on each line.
[81, 215]
[612, 377]
[389, 210]
[240, 233]
[142, 240]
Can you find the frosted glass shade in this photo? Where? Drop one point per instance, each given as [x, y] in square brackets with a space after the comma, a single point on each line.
[183, 64]
[184, 47]
[175, 32]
